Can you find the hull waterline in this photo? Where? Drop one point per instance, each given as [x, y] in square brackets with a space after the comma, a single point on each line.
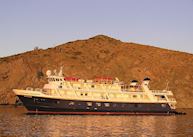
[38, 105]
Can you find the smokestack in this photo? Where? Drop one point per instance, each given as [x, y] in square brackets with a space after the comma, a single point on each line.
[133, 83]
[146, 81]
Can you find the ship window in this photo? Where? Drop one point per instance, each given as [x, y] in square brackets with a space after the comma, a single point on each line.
[107, 104]
[60, 79]
[42, 99]
[36, 100]
[98, 104]
[71, 103]
[163, 105]
[114, 105]
[89, 103]
[81, 94]
[92, 86]
[86, 94]
[134, 96]
[162, 96]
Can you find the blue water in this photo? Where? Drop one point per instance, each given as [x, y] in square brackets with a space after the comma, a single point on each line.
[15, 123]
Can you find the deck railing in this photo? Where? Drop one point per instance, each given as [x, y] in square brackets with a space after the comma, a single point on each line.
[162, 92]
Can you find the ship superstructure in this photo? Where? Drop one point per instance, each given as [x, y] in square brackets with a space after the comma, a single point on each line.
[102, 95]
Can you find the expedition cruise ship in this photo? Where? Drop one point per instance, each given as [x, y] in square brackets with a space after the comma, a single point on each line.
[103, 95]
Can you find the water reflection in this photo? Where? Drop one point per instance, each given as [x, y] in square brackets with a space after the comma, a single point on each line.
[14, 122]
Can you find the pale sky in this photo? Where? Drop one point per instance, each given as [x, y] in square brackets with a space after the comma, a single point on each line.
[25, 24]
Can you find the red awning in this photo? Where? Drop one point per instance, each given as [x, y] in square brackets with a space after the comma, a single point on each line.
[71, 79]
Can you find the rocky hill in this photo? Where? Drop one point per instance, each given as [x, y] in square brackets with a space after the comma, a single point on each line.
[100, 56]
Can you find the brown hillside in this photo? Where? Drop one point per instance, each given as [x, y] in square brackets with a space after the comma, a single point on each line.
[100, 56]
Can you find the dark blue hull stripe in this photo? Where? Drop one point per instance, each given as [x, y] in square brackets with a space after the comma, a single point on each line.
[60, 106]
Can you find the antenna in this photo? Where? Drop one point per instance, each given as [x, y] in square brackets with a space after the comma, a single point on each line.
[167, 87]
[55, 72]
[116, 79]
[60, 72]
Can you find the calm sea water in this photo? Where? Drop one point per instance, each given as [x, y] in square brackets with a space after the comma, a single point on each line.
[15, 123]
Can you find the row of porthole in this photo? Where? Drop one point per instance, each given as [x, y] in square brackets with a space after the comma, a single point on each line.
[90, 104]
[39, 100]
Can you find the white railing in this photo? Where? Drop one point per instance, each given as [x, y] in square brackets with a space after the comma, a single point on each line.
[38, 89]
[162, 92]
[29, 88]
[34, 89]
[172, 99]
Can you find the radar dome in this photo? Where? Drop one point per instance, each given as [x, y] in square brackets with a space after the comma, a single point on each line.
[48, 72]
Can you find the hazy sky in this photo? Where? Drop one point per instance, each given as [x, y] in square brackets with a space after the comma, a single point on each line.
[25, 24]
